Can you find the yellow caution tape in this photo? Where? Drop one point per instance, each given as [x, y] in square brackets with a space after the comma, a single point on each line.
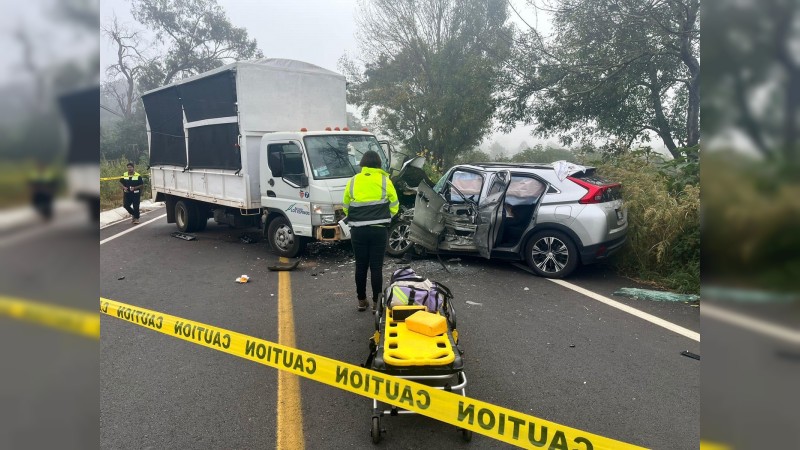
[496, 422]
[66, 319]
[117, 178]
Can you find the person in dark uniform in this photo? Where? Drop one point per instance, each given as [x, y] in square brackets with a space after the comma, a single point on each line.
[370, 201]
[131, 192]
[43, 184]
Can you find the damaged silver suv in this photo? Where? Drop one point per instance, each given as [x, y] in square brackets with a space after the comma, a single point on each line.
[553, 216]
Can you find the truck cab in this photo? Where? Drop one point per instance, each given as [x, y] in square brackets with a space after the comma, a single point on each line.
[302, 177]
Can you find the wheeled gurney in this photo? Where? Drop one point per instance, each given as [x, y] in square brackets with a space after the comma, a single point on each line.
[435, 361]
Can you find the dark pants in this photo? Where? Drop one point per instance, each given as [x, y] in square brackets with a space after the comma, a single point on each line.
[369, 246]
[43, 202]
[130, 201]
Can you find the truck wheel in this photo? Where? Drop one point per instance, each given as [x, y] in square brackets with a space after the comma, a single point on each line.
[398, 243]
[551, 254]
[186, 216]
[282, 239]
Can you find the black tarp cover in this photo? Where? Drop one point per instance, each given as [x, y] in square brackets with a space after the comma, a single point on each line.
[82, 115]
[209, 97]
[164, 114]
[214, 147]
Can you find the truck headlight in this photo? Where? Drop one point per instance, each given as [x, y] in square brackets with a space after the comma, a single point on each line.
[321, 208]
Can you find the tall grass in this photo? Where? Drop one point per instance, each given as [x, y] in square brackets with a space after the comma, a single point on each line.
[663, 245]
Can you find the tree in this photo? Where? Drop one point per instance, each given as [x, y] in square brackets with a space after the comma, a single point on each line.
[430, 71]
[497, 151]
[197, 37]
[128, 66]
[619, 69]
[752, 75]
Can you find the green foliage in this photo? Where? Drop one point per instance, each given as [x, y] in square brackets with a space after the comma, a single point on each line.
[14, 189]
[472, 156]
[615, 70]
[542, 154]
[124, 138]
[751, 214]
[664, 223]
[430, 72]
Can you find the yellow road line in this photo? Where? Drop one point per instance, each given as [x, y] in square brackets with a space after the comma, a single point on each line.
[708, 445]
[290, 413]
[65, 319]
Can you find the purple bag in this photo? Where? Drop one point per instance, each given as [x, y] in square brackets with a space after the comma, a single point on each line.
[408, 288]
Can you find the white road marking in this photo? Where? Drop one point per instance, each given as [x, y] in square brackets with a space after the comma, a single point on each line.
[133, 228]
[630, 310]
[38, 228]
[756, 325]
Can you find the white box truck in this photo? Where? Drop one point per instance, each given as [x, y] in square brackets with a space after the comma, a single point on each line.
[257, 143]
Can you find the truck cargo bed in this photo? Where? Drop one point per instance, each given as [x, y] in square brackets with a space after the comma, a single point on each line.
[222, 187]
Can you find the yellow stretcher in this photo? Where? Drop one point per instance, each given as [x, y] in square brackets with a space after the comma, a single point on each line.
[432, 360]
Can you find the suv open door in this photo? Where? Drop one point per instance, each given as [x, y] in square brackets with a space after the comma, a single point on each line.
[427, 224]
[490, 213]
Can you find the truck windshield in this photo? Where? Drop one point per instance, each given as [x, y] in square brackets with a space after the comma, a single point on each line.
[337, 156]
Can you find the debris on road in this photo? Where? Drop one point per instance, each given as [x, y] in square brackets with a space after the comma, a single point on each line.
[247, 239]
[280, 268]
[242, 279]
[571, 345]
[753, 296]
[691, 355]
[657, 296]
[121, 278]
[184, 236]
[474, 303]
[526, 288]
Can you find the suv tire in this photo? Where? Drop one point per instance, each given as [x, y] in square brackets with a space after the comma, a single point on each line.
[551, 254]
[398, 243]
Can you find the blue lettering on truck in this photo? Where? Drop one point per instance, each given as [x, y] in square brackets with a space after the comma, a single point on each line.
[297, 210]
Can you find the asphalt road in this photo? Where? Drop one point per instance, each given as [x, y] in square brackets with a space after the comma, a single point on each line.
[531, 345]
[48, 393]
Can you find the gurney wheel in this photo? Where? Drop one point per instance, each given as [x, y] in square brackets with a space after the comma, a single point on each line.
[466, 435]
[376, 430]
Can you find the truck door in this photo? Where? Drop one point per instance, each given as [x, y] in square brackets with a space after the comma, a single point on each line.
[428, 222]
[287, 185]
[490, 213]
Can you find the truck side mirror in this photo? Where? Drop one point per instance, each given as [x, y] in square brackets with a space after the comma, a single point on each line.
[303, 180]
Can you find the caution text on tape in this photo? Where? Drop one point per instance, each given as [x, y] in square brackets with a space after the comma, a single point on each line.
[494, 421]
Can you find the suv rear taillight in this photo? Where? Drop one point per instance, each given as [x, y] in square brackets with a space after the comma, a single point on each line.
[598, 193]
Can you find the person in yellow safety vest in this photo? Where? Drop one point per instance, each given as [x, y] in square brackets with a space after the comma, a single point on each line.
[370, 201]
[131, 192]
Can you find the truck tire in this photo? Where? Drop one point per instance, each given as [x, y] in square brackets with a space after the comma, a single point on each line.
[282, 239]
[186, 216]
